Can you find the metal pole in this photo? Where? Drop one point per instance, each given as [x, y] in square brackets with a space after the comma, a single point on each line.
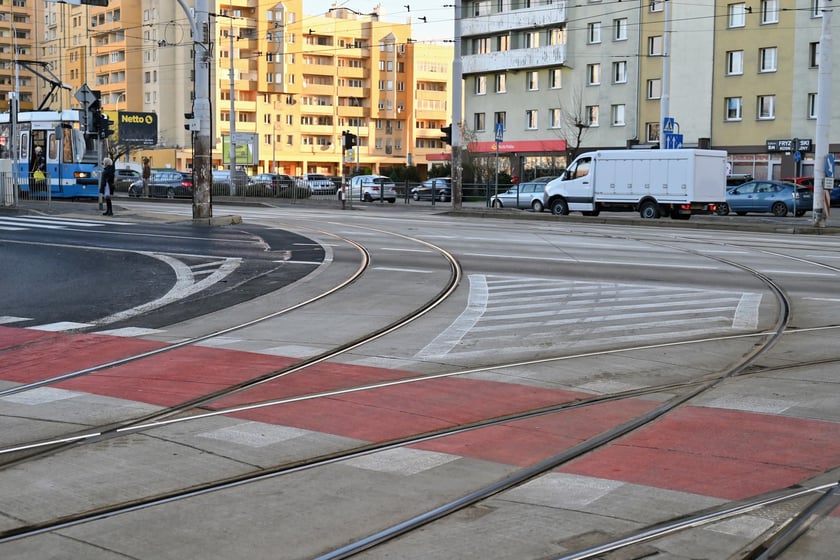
[824, 77]
[202, 151]
[232, 152]
[665, 96]
[457, 112]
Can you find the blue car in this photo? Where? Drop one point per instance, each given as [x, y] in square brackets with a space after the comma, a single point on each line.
[762, 195]
[835, 196]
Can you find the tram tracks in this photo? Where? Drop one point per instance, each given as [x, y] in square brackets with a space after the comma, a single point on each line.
[770, 338]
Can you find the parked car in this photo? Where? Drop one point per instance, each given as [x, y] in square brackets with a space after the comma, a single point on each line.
[524, 195]
[801, 181]
[165, 184]
[273, 182]
[835, 194]
[318, 183]
[776, 197]
[123, 178]
[230, 183]
[436, 188]
[738, 179]
[373, 187]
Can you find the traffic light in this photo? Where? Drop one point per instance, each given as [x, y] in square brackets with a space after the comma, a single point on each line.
[348, 140]
[105, 126]
[447, 134]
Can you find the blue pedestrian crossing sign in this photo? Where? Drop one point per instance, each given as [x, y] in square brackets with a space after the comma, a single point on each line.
[668, 125]
[500, 132]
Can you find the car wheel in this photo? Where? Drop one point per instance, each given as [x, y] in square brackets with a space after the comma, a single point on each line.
[779, 209]
[722, 209]
[368, 198]
[391, 200]
[497, 204]
[649, 210]
[415, 196]
[559, 207]
[537, 206]
[170, 193]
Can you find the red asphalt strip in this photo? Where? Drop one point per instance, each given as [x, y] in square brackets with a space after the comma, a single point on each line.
[716, 452]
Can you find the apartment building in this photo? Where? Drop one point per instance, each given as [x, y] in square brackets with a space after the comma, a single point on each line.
[562, 77]
[18, 26]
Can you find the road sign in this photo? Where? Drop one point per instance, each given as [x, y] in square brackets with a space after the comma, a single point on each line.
[85, 96]
[500, 132]
[673, 141]
[829, 165]
[668, 125]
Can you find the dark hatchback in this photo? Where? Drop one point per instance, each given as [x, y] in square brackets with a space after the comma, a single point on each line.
[165, 184]
[439, 188]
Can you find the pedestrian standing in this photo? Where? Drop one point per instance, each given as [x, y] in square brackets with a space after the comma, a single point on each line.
[147, 174]
[107, 186]
[39, 169]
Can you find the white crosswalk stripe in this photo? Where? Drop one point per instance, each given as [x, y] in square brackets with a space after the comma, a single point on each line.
[18, 223]
[518, 314]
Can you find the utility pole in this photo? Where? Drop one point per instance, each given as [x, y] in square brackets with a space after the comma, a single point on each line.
[232, 151]
[202, 152]
[457, 87]
[823, 168]
[665, 94]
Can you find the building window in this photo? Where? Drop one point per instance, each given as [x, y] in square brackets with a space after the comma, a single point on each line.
[812, 105]
[555, 118]
[593, 74]
[655, 45]
[592, 115]
[594, 32]
[767, 59]
[814, 55]
[654, 88]
[766, 107]
[656, 5]
[503, 43]
[533, 78]
[501, 83]
[620, 29]
[557, 36]
[737, 15]
[531, 119]
[769, 11]
[734, 63]
[479, 121]
[733, 108]
[555, 78]
[480, 85]
[816, 8]
[617, 115]
[620, 72]
[652, 132]
[500, 117]
[532, 39]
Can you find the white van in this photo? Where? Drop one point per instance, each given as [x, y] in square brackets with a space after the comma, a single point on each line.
[373, 187]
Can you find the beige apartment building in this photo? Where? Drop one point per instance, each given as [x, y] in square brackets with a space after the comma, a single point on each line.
[293, 82]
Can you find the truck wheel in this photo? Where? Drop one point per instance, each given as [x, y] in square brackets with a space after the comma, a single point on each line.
[779, 209]
[559, 207]
[649, 210]
[537, 206]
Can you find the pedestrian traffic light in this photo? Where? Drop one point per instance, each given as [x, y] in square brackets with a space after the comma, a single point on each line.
[105, 126]
[447, 134]
[348, 140]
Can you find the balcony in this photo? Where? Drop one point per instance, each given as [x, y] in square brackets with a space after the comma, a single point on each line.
[513, 20]
[500, 61]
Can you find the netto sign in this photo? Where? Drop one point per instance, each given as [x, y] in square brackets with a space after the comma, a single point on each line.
[137, 128]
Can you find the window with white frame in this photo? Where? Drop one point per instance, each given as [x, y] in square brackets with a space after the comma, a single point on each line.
[656, 5]
[479, 121]
[769, 11]
[555, 118]
[812, 105]
[734, 63]
[655, 45]
[816, 8]
[533, 80]
[480, 85]
[532, 39]
[555, 78]
[737, 15]
[531, 119]
[620, 29]
[500, 117]
[592, 115]
[733, 108]
[594, 32]
[503, 42]
[501, 83]
[654, 88]
[767, 59]
[652, 132]
[619, 72]
[617, 114]
[557, 36]
[593, 74]
[766, 107]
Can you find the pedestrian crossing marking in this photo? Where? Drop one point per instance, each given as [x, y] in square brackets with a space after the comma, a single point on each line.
[18, 223]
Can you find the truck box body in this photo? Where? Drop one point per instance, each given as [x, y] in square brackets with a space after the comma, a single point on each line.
[660, 182]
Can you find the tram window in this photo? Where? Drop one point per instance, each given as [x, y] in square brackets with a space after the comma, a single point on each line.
[52, 151]
[67, 155]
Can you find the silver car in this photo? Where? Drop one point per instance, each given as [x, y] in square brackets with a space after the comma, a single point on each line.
[318, 183]
[373, 187]
[524, 195]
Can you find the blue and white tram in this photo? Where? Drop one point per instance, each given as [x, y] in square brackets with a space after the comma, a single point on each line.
[71, 156]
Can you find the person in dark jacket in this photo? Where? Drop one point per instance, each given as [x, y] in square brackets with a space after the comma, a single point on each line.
[107, 186]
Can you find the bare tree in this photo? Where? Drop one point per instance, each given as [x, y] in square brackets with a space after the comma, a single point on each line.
[575, 122]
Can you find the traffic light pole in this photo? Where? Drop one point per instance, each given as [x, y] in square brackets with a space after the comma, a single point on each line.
[457, 87]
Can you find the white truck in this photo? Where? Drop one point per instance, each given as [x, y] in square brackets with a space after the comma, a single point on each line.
[654, 183]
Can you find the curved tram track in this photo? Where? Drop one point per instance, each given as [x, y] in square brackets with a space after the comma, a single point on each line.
[691, 390]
